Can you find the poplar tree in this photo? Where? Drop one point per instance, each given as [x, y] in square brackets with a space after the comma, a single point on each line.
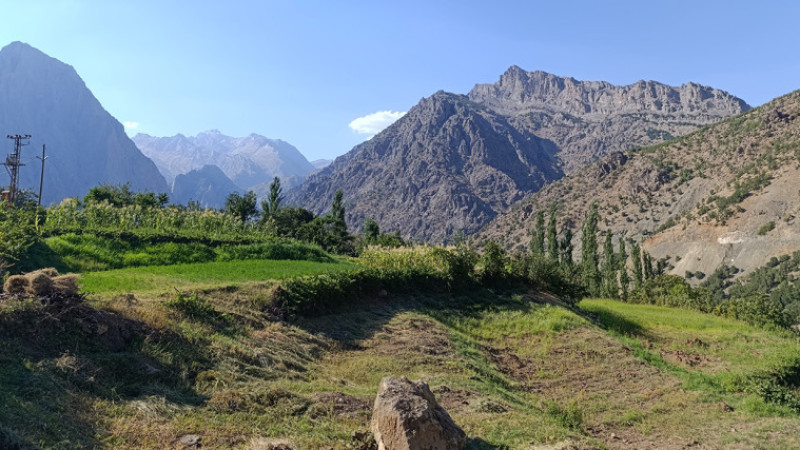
[270, 206]
[622, 260]
[609, 269]
[636, 259]
[647, 263]
[552, 236]
[537, 242]
[566, 248]
[590, 261]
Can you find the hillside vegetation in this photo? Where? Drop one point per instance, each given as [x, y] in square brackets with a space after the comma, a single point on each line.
[726, 194]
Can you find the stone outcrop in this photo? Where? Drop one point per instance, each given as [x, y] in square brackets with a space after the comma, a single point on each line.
[406, 416]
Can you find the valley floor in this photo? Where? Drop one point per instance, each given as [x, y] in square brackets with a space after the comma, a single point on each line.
[514, 369]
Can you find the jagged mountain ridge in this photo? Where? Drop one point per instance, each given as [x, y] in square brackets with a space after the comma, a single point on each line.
[86, 146]
[726, 194]
[574, 124]
[447, 165]
[248, 161]
[589, 119]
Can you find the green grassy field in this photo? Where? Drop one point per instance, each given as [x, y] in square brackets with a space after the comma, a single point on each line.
[151, 279]
[514, 369]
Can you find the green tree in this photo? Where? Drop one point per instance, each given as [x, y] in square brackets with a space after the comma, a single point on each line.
[609, 269]
[537, 241]
[636, 259]
[371, 231]
[589, 262]
[647, 266]
[552, 235]
[288, 221]
[243, 207]
[494, 260]
[272, 204]
[622, 261]
[566, 248]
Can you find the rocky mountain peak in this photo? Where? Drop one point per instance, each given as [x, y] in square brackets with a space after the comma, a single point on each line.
[519, 91]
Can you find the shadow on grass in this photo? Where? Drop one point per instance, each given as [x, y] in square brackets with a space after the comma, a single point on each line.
[611, 321]
[58, 359]
[480, 444]
[361, 319]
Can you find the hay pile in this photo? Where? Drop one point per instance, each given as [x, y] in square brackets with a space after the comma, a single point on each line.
[42, 282]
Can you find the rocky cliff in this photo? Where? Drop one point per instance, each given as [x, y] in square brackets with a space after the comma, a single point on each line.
[449, 164]
[589, 119]
[86, 146]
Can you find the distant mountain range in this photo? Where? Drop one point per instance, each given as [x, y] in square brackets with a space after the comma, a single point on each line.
[86, 146]
[454, 162]
[250, 162]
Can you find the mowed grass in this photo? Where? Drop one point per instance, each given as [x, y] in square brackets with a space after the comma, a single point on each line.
[724, 346]
[202, 275]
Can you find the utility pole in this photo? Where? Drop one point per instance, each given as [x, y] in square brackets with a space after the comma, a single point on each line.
[41, 178]
[13, 164]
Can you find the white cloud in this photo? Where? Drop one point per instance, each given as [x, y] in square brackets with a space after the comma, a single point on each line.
[130, 125]
[374, 123]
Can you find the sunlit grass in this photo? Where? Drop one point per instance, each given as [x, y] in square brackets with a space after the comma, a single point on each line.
[201, 275]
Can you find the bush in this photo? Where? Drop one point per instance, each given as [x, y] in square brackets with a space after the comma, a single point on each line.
[321, 294]
[766, 228]
[494, 261]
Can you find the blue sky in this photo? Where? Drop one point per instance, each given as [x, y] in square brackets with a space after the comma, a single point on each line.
[303, 71]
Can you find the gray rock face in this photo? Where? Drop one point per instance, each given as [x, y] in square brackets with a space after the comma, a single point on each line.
[447, 165]
[454, 162]
[208, 186]
[589, 119]
[247, 161]
[46, 98]
[406, 416]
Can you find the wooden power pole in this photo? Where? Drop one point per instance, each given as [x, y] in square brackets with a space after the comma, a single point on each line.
[41, 178]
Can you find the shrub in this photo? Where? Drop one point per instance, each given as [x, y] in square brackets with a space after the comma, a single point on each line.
[494, 260]
[766, 228]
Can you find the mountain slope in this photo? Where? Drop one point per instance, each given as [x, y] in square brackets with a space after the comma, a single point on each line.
[248, 161]
[435, 172]
[46, 98]
[207, 186]
[724, 194]
[447, 165]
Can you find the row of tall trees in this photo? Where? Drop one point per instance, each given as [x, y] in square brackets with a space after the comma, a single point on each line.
[601, 275]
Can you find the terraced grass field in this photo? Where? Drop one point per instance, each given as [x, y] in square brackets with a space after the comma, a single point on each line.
[515, 369]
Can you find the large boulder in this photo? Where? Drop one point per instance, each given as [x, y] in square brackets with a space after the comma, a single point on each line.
[406, 416]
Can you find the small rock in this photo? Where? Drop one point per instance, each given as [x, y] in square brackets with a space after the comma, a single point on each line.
[190, 440]
[725, 407]
[382, 293]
